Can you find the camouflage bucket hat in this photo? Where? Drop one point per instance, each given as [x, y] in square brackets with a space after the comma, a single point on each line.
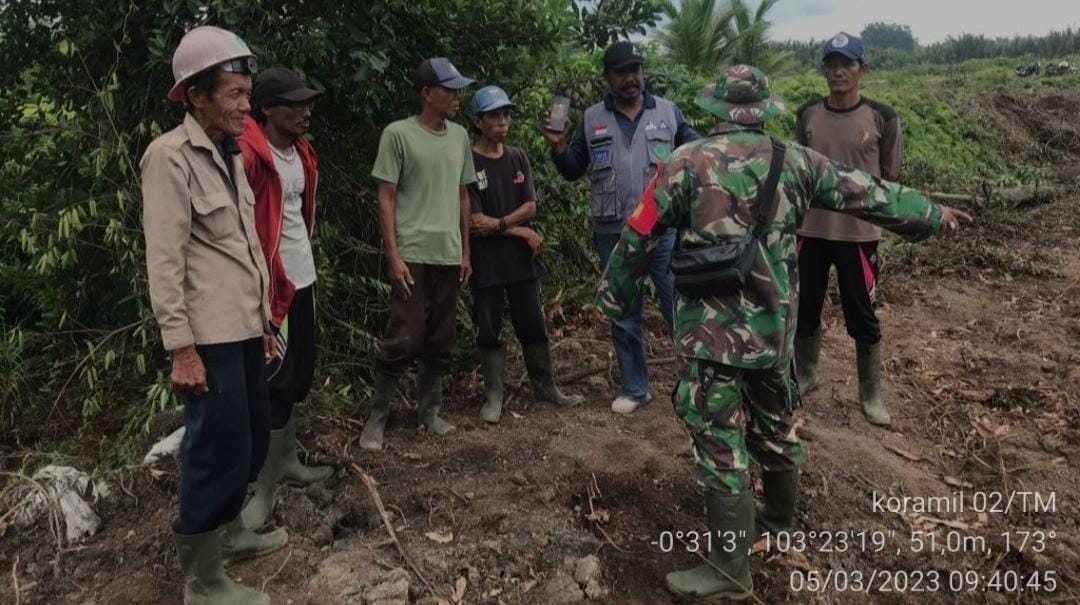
[742, 96]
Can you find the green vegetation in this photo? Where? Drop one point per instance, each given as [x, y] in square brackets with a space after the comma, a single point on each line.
[78, 344]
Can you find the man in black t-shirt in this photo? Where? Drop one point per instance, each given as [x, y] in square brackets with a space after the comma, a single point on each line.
[506, 257]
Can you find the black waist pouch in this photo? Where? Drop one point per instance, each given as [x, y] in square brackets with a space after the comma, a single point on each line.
[723, 269]
[714, 270]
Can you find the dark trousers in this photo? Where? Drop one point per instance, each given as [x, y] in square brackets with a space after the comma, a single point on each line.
[291, 374]
[526, 313]
[226, 436]
[857, 274]
[423, 325]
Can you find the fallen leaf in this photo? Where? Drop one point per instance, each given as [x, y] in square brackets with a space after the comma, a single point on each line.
[529, 585]
[599, 516]
[904, 453]
[459, 589]
[440, 537]
[953, 481]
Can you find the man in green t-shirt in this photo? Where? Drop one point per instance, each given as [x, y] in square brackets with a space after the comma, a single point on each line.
[423, 167]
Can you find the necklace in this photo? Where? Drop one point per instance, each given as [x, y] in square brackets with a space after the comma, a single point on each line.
[288, 158]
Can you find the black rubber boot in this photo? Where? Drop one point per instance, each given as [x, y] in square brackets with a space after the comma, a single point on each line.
[868, 363]
[779, 501]
[807, 353]
[492, 366]
[205, 582]
[727, 575]
[429, 393]
[538, 365]
[385, 387]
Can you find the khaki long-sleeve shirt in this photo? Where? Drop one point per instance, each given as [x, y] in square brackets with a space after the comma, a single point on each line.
[207, 277]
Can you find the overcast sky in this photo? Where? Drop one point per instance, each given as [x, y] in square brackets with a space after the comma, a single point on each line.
[930, 20]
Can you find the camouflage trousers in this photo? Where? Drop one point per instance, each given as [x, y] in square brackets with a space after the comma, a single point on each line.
[734, 414]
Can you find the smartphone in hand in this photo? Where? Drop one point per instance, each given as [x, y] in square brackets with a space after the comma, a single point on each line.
[559, 114]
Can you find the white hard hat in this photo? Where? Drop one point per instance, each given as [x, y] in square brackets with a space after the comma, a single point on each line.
[203, 48]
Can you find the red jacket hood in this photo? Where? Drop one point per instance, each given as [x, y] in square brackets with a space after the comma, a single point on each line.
[265, 182]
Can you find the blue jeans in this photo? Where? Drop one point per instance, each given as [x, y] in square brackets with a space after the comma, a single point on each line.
[627, 333]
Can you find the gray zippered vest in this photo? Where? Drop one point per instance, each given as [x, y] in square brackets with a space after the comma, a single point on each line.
[619, 169]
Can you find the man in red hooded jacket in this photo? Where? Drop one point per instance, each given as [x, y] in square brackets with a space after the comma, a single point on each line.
[282, 168]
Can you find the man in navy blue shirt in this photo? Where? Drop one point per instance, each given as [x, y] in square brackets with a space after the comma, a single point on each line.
[619, 144]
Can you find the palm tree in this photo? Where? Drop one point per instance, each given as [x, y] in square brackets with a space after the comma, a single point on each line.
[698, 35]
[705, 36]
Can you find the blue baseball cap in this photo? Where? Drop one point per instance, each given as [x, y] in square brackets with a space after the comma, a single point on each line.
[847, 45]
[490, 98]
[440, 72]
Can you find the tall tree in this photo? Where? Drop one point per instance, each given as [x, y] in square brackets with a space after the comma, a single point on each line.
[601, 22]
[888, 35]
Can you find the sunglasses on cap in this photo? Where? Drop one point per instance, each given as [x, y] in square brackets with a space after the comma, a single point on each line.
[241, 65]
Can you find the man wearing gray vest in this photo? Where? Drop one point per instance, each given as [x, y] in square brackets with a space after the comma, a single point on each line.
[619, 144]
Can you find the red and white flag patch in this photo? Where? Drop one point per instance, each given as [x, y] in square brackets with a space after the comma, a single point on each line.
[646, 215]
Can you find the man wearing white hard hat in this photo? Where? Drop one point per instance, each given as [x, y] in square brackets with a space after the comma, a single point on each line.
[208, 289]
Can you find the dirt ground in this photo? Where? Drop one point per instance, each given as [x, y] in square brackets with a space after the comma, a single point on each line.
[982, 375]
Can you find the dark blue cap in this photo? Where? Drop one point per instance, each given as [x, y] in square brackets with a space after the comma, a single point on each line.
[440, 72]
[847, 45]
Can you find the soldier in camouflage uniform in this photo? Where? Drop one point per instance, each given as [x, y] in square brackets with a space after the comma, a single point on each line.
[736, 391]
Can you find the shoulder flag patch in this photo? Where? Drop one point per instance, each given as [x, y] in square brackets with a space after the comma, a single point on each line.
[645, 216]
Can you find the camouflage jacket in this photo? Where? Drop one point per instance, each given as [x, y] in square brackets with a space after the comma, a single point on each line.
[707, 192]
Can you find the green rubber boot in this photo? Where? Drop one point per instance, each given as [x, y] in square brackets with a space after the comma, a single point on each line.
[492, 366]
[538, 365]
[807, 353]
[429, 392]
[294, 471]
[205, 582]
[385, 387]
[868, 362]
[239, 543]
[258, 508]
[727, 575]
[781, 497]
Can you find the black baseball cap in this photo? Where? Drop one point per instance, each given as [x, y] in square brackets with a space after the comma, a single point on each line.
[622, 54]
[278, 84]
[439, 71]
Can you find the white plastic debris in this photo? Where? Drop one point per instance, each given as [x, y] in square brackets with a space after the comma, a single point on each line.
[165, 448]
[64, 491]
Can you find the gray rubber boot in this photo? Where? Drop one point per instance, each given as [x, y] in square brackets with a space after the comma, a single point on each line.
[429, 392]
[728, 575]
[779, 502]
[492, 366]
[261, 504]
[239, 543]
[205, 582]
[868, 362]
[294, 471]
[385, 387]
[538, 365]
[807, 353]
